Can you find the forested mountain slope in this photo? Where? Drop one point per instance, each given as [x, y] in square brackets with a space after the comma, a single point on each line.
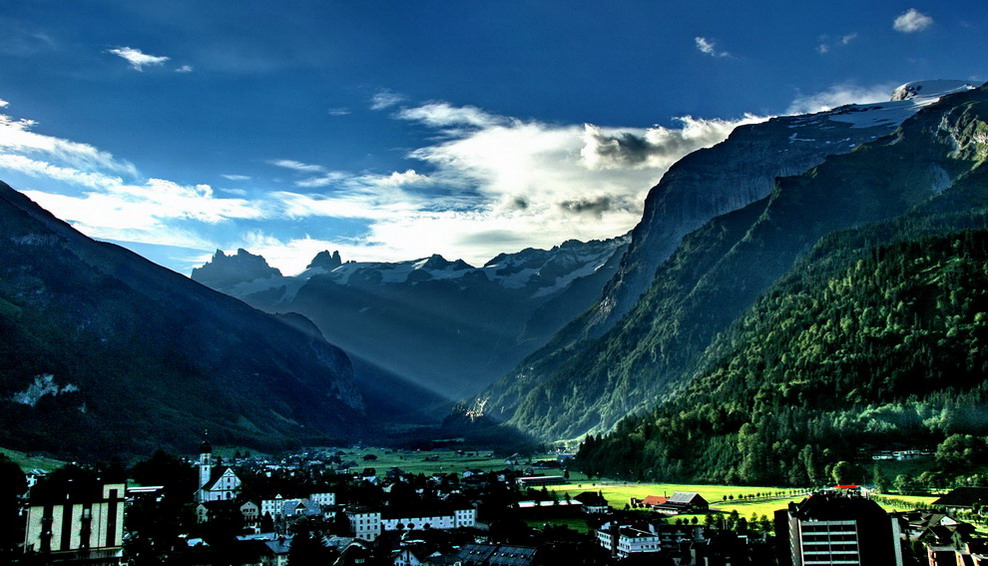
[861, 347]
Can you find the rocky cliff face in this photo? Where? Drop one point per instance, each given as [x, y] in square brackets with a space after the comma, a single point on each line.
[726, 177]
[224, 272]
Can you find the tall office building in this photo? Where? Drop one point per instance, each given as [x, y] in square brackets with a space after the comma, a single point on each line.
[831, 528]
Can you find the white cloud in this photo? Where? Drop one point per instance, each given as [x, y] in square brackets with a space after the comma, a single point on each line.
[339, 111]
[325, 179]
[827, 42]
[839, 95]
[43, 169]
[137, 59]
[709, 47]
[657, 147]
[912, 21]
[442, 114]
[184, 69]
[385, 99]
[236, 177]
[4, 103]
[102, 216]
[506, 180]
[496, 184]
[149, 204]
[297, 166]
[107, 198]
[17, 136]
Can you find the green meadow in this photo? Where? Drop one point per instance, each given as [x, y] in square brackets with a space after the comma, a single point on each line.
[30, 462]
[426, 462]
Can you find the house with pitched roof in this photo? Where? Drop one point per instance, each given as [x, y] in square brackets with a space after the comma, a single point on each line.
[683, 502]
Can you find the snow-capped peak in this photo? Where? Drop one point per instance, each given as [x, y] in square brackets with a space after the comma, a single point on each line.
[905, 101]
[930, 90]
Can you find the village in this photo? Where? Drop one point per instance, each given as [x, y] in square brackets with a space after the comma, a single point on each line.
[337, 506]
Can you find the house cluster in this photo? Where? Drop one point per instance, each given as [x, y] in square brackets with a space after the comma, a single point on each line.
[263, 513]
[655, 541]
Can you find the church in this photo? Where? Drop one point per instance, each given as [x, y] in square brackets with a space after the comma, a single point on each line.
[215, 484]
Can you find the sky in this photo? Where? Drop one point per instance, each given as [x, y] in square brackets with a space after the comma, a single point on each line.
[395, 130]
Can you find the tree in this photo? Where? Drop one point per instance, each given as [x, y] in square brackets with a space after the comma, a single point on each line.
[844, 472]
[904, 484]
[878, 479]
[307, 549]
[961, 452]
[178, 479]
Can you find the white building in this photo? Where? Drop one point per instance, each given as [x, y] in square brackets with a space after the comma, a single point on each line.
[326, 498]
[86, 522]
[214, 484]
[435, 519]
[251, 513]
[280, 508]
[365, 523]
[623, 541]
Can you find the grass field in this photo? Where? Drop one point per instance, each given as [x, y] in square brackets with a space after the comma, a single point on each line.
[27, 462]
[906, 502]
[424, 462]
[619, 494]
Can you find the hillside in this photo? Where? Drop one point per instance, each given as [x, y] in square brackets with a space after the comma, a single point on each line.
[863, 347]
[721, 269]
[105, 353]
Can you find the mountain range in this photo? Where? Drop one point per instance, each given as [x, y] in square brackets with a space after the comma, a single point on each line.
[811, 277]
[445, 325]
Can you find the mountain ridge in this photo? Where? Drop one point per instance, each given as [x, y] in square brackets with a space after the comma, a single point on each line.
[129, 336]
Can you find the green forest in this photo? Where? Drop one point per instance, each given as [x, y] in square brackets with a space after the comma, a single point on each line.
[874, 340]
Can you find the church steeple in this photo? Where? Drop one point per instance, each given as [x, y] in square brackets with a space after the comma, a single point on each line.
[205, 462]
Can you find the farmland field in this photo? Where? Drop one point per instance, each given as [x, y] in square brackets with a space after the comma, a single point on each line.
[425, 461]
[618, 494]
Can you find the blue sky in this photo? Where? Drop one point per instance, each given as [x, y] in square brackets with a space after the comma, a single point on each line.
[394, 130]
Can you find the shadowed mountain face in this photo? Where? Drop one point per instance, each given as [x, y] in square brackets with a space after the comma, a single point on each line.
[443, 325]
[106, 353]
[572, 387]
